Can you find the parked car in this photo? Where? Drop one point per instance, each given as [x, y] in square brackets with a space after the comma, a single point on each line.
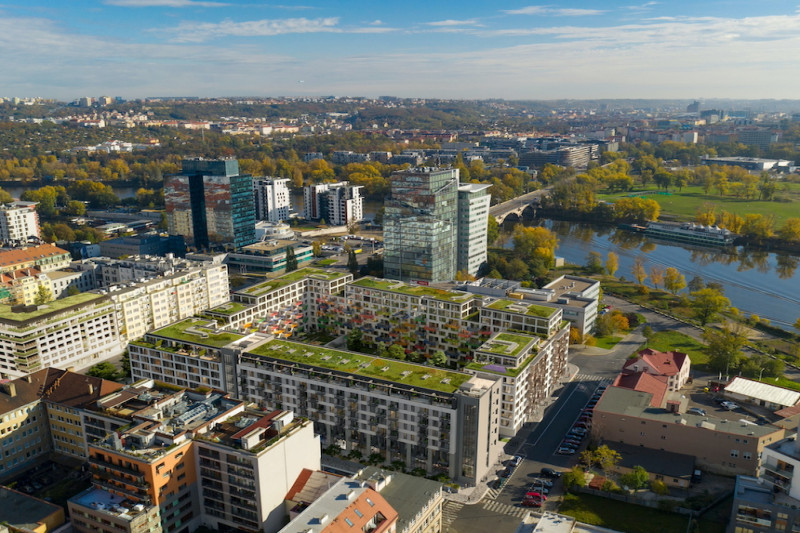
[516, 460]
[730, 406]
[549, 472]
[578, 430]
[531, 502]
[696, 411]
[536, 495]
[536, 487]
[563, 450]
[542, 481]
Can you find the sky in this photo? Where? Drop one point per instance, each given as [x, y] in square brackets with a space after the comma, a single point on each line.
[468, 49]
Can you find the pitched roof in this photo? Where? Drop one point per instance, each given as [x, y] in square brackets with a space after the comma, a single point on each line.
[663, 363]
[32, 253]
[644, 382]
[57, 386]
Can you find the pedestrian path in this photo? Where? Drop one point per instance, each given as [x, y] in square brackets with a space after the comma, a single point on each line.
[450, 513]
[505, 508]
[587, 377]
[491, 494]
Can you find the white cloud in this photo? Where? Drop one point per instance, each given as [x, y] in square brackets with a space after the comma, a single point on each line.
[376, 22]
[163, 3]
[642, 7]
[558, 12]
[451, 22]
[204, 31]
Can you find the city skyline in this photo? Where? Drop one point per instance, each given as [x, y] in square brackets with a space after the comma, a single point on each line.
[514, 50]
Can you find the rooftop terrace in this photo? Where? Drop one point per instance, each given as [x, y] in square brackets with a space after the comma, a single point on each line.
[198, 331]
[414, 290]
[518, 306]
[230, 308]
[292, 277]
[55, 306]
[105, 501]
[410, 374]
[508, 344]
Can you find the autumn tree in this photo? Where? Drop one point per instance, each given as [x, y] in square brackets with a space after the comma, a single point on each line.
[638, 478]
[790, 231]
[724, 346]
[43, 295]
[656, 275]
[674, 281]
[707, 304]
[612, 263]
[594, 263]
[535, 246]
[638, 270]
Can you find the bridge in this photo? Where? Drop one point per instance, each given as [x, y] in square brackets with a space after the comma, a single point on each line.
[513, 210]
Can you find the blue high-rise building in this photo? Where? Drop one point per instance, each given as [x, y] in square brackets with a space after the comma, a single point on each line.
[211, 204]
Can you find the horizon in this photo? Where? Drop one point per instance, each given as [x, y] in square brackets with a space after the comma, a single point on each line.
[517, 51]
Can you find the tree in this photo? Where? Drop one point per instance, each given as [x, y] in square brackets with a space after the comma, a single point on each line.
[73, 290]
[353, 227]
[291, 260]
[696, 284]
[355, 340]
[439, 358]
[104, 370]
[724, 347]
[75, 208]
[43, 295]
[316, 248]
[352, 262]
[707, 304]
[656, 275]
[574, 478]
[790, 231]
[395, 351]
[536, 246]
[636, 479]
[674, 281]
[602, 457]
[492, 230]
[594, 263]
[638, 270]
[659, 487]
[612, 263]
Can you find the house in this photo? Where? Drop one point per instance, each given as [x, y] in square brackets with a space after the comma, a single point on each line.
[672, 365]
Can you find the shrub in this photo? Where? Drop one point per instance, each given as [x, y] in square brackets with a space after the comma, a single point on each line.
[659, 487]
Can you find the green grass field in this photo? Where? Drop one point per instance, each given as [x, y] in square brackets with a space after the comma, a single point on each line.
[607, 342]
[665, 341]
[684, 204]
[627, 517]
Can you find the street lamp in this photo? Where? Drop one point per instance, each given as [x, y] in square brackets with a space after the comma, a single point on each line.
[760, 373]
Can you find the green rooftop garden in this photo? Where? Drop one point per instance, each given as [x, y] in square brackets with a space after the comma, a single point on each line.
[423, 377]
[195, 330]
[530, 309]
[50, 307]
[414, 290]
[292, 277]
[508, 344]
[494, 368]
[230, 308]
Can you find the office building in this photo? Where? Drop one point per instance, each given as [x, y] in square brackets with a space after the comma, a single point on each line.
[19, 221]
[21, 513]
[272, 200]
[211, 204]
[338, 204]
[473, 219]
[421, 225]
[144, 244]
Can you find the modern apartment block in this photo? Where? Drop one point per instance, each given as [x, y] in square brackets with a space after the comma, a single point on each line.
[272, 199]
[296, 293]
[338, 204]
[77, 331]
[211, 204]
[42, 413]
[473, 218]
[530, 368]
[188, 458]
[426, 417]
[421, 226]
[18, 222]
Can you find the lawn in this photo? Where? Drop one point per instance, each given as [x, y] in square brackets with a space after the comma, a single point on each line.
[684, 204]
[326, 262]
[627, 517]
[607, 342]
[666, 341]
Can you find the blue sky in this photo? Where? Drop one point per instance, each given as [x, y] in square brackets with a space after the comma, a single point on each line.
[467, 49]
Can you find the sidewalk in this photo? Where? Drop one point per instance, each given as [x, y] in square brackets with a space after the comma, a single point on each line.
[473, 495]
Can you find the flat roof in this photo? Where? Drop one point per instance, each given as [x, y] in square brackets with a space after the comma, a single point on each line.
[410, 374]
[22, 511]
[508, 344]
[103, 500]
[763, 391]
[230, 308]
[292, 277]
[522, 307]
[414, 290]
[199, 331]
[636, 404]
[55, 306]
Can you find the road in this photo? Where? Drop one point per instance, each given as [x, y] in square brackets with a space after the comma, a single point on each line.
[510, 205]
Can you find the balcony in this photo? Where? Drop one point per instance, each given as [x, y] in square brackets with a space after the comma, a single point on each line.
[99, 465]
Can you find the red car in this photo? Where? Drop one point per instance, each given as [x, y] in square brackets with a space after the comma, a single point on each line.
[531, 503]
[535, 496]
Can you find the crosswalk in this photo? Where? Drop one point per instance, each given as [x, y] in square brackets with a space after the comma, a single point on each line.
[491, 494]
[587, 377]
[450, 513]
[505, 508]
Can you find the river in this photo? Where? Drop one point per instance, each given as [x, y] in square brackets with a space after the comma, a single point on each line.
[756, 282]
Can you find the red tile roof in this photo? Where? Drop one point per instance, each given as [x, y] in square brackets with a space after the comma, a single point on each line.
[644, 382]
[662, 363]
[33, 253]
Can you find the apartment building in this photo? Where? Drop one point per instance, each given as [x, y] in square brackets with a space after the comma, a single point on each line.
[473, 217]
[501, 314]
[292, 294]
[336, 203]
[187, 458]
[43, 257]
[426, 417]
[77, 331]
[530, 368]
[673, 367]
[272, 199]
[19, 221]
[41, 414]
[726, 446]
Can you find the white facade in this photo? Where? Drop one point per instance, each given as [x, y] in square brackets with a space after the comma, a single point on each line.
[473, 220]
[272, 200]
[18, 221]
[336, 203]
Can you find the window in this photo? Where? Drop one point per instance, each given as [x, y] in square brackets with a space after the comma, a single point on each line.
[358, 513]
[747, 455]
[370, 502]
[734, 453]
[348, 522]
